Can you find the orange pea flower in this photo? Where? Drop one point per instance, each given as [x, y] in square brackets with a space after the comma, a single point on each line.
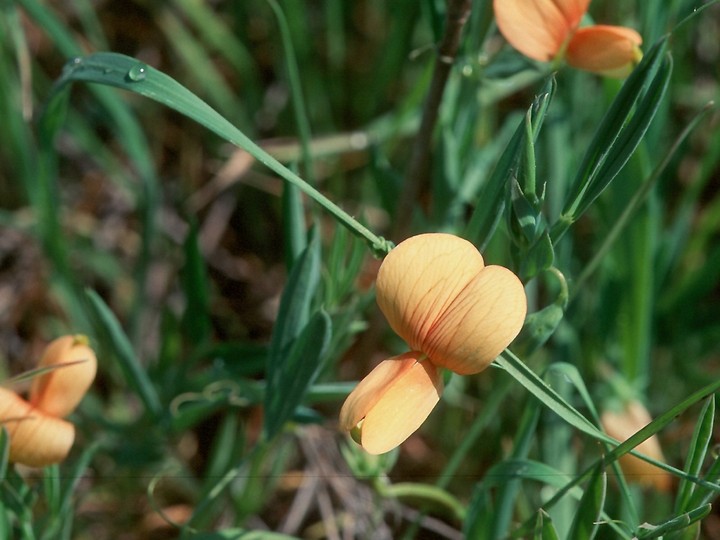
[548, 30]
[453, 311]
[38, 434]
[621, 425]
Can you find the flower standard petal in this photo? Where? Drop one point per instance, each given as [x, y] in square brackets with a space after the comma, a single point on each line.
[538, 28]
[484, 319]
[420, 278]
[59, 391]
[36, 439]
[392, 401]
[608, 50]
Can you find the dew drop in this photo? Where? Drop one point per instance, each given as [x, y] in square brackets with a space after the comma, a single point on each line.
[137, 73]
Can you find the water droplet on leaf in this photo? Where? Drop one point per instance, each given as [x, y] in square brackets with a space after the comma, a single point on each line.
[137, 73]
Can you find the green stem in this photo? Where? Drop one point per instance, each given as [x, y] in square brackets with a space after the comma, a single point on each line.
[424, 492]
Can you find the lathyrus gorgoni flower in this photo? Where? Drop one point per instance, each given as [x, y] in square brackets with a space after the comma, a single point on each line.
[39, 435]
[453, 311]
[549, 30]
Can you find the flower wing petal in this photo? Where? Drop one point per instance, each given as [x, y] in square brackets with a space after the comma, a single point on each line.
[480, 323]
[402, 408]
[538, 28]
[371, 389]
[420, 278]
[36, 439]
[609, 50]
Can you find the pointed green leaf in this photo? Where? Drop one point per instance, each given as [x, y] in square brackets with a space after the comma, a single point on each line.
[621, 130]
[295, 373]
[587, 518]
[678, 523]
[111, 334]
[544, 528]
[196, 322]
[699, 444]
[295, 305]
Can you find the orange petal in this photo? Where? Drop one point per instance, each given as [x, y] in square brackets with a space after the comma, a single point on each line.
[36, 439]
[420, 278]
[538, 28]
[484, 319]
[621, 426]
[58, 392]
[608, 50]
[392, 401]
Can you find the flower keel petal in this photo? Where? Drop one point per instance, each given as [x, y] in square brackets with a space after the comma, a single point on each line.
[608, 50]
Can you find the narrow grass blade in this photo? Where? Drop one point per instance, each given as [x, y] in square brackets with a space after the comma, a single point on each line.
[699, 445]
[296, 373]
[4, 452]
[678, 523]
[587, 519]
[494, 195]
[551, 399]
[195, 321]
[112, 335]
[544, 528]
[127, 73]
[617, 137]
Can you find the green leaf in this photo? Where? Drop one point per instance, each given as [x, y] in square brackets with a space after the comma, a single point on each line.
[538, 258]
[539, 327]
[295, 373]
[196, 321]
[111, 334]
[295, 304]
[619, 133]
[699, 444]
[4, 451]
[544, 528]
[492, 198]
[127, 73]
[675, 524]
[587, 518]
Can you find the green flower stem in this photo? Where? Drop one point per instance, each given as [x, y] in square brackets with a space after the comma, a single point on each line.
[564, 295]
[424, 492]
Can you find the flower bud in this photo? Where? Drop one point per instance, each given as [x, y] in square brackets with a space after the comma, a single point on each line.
[621, 426]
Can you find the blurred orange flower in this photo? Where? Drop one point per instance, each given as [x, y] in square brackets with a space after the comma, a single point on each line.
[38, 434]
[548, 30]
[623, 424]
[453, 311]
